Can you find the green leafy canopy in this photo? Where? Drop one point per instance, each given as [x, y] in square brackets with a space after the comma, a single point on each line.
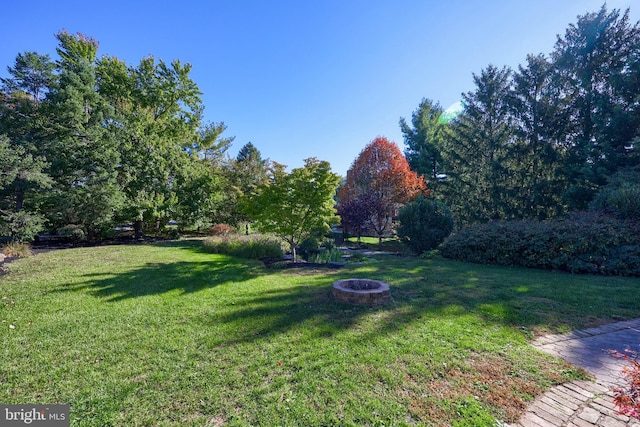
[296, 205]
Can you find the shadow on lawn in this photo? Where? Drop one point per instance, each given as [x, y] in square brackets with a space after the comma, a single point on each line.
[163, 277]
[414, 294]
[434, 290]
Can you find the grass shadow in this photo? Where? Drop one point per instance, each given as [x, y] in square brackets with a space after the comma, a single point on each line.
[530, 300]
[155, 278]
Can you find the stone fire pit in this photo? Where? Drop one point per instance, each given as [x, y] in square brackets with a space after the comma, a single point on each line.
[361, 291]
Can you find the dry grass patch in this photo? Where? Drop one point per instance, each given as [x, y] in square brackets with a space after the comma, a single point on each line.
[494, 381]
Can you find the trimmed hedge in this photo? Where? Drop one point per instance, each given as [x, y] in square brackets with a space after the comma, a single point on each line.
[581, 243]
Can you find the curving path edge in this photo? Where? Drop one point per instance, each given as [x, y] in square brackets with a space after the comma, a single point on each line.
[585, 403]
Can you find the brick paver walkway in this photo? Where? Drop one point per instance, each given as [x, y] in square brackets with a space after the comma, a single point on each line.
[585, 403]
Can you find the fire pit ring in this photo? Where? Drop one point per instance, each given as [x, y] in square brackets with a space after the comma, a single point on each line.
[361, 291]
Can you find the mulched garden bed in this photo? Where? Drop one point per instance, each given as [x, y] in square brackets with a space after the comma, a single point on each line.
[271, 262]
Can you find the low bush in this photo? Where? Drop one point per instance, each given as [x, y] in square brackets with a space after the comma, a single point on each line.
[254, 246]
[316, 249]
[309, 247]
[622, 201]
[72, 232]
[581, 243]
[173, 233]
[16, 249]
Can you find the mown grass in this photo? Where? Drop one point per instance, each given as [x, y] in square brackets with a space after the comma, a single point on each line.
[167, 334]
[390, 244]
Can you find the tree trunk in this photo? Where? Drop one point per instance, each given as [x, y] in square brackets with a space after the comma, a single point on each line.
[137, 227]
[19, 200]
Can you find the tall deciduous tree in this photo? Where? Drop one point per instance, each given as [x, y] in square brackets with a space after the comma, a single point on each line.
[157, 121]
[382, 172]
[121, 143]
[295, 205]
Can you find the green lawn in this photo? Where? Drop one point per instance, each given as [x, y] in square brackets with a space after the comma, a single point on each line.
[166, 334]
[390, 244]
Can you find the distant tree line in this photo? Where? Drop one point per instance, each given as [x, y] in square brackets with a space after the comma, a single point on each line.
[542, 140]
[88, 143]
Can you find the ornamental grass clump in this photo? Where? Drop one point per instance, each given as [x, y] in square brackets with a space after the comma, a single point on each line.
[327, 255]
[16, 250]
[251, 247]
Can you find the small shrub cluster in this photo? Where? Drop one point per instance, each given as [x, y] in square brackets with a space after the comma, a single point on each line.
[627, 399]
[16, 249]
[582, 243]
[72, 232]
[316, 249]
[309, 247]
[424, 224]
[251, 247]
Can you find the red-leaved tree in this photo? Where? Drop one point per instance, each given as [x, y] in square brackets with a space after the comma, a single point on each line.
[381, 173]
[355, 213]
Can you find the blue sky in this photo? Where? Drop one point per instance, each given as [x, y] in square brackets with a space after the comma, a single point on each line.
[309, 78]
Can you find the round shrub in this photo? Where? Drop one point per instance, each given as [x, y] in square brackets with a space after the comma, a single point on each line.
[310, 244]
[309, 247]
[72, 232]
[424, 224]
